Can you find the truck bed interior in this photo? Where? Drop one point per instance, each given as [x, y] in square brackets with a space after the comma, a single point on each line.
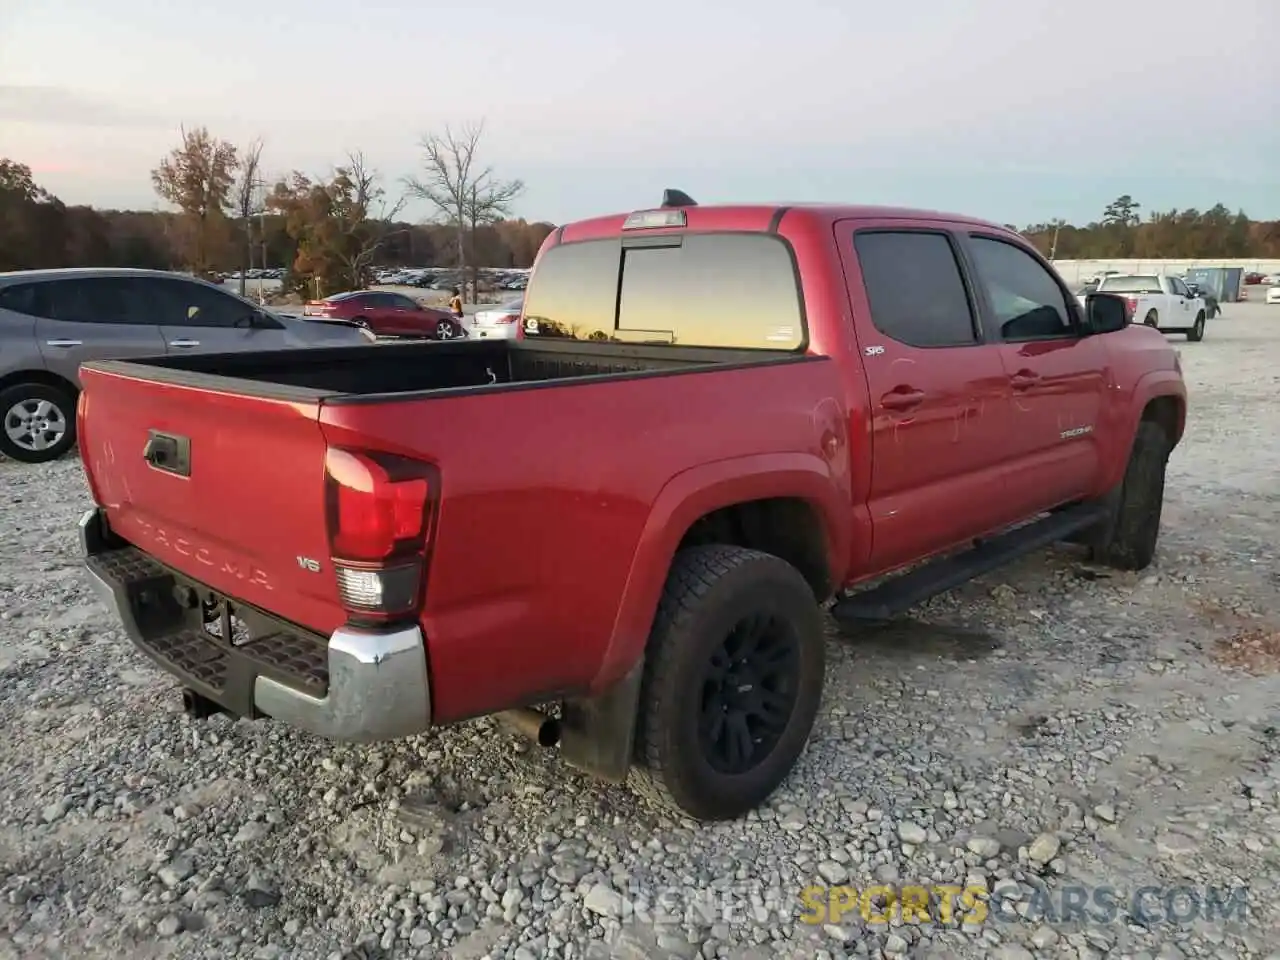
[383, 370]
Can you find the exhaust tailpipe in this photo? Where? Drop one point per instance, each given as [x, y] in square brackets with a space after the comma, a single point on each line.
[199, 707]
[543, 730]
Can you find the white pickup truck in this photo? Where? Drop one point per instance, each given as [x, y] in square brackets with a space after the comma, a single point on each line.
[1158, 301]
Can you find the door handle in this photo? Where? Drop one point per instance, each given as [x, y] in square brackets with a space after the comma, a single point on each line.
[64, 343]
[184, 343]
[1024, 380]
[903, 398]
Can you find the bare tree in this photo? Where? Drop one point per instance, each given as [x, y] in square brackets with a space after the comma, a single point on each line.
[463, 193]
[247, 198]
[364, 213]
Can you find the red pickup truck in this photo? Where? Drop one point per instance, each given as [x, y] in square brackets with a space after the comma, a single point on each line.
[620, 530]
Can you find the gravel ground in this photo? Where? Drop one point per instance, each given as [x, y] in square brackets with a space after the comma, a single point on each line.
[1048, 729]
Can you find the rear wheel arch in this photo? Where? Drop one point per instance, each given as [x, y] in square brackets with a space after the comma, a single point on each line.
[789, 528]
[758, 494]
[1168, 412]
[43, 377]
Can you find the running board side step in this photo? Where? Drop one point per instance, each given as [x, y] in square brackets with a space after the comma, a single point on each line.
[901, 593]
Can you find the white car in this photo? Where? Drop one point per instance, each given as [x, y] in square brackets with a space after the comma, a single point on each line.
[500, 323]
[1273, 295]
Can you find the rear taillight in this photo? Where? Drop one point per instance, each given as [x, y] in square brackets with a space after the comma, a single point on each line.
[509, 318]
[380, 509]
[1130, 306]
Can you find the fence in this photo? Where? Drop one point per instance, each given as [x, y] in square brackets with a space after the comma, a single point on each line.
[1078, 271]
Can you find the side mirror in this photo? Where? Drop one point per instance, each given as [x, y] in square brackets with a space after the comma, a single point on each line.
[1105, 313]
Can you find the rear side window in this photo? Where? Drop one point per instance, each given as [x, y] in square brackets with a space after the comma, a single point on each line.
[20, 298]
[94, 300]
[915, 289]
[734, 290]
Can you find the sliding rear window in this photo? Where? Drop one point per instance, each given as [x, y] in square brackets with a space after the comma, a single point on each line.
[736, 290]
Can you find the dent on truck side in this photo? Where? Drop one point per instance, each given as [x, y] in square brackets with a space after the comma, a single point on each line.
[700, 490]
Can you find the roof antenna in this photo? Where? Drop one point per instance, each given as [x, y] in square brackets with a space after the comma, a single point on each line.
[677, 198]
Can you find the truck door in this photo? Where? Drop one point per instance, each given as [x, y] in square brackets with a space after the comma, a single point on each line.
[1058, 377]
[939, 398]
[1184, 304]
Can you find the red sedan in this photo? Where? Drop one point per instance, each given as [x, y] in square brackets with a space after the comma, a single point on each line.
[386, 314]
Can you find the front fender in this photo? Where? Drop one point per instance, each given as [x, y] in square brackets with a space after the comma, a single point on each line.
[701, 490]
[1150, 386]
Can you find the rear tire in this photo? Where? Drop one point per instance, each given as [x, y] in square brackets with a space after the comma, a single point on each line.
[1152, 319]
[733, 681]
[39, 422]
[1127, 539]
[1196, 333]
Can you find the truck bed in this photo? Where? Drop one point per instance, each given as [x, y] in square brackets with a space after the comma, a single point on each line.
[400, 371]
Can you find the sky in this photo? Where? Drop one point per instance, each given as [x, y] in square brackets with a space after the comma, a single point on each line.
[1018, 111]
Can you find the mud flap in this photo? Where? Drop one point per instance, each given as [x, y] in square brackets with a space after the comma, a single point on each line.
[598, 733]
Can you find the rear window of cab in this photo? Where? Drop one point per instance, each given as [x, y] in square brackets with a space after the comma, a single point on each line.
[738, 290]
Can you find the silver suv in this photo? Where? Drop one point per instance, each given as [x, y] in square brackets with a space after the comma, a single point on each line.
[51, 321]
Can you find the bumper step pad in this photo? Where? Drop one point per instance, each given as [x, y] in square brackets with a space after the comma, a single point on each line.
[163, 614]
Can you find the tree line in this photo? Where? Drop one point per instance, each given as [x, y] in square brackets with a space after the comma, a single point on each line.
[1122, 232]
[328, 231]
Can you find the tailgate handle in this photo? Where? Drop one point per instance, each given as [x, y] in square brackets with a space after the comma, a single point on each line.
[168, 452]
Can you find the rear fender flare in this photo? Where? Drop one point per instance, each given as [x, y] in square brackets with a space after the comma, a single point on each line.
[697, 492]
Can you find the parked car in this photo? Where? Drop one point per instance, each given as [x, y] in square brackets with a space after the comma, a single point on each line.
[1159, 301]
[1273, 295]
[749, 411]
[500, 323]
[386, 314]
[53, 320]
[1253, 278]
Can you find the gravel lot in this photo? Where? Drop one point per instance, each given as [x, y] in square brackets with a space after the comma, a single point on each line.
[1046, 728]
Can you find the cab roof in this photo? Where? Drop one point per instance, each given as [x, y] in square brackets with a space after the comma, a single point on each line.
[761, 217]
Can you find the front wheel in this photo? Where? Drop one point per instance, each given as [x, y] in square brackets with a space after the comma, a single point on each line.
[39, 422]
[733, 679]
[446, 330]
[1196, 333]
[1126, 539]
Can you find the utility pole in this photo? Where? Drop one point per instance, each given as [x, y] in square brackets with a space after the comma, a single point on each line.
[262, 238]
[1053, 246]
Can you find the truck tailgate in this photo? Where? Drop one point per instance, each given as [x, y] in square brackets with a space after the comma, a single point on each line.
[231, 493]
